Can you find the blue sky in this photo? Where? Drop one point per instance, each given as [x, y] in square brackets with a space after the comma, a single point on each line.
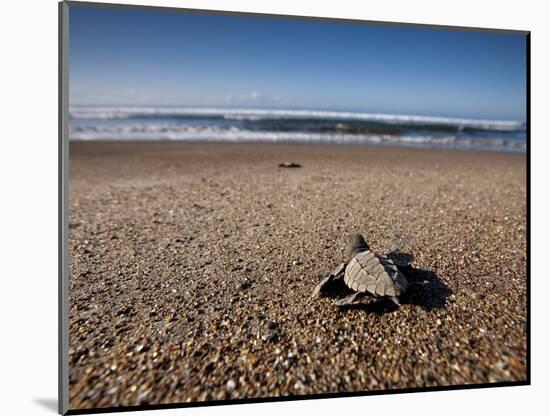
[164, 58]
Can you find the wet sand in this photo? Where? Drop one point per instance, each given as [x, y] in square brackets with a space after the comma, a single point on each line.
[192, 265]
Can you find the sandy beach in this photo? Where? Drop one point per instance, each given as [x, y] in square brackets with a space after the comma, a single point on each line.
[192, 265]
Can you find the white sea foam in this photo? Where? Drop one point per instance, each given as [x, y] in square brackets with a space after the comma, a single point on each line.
[242, 125]
[105, 113]
[211, 133]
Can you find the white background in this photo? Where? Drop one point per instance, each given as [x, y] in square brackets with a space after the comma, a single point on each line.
[28, 174]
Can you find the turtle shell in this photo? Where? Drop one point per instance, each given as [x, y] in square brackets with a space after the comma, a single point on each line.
[369, 272]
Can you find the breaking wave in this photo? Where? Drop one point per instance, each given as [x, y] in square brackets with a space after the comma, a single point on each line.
[214, 124]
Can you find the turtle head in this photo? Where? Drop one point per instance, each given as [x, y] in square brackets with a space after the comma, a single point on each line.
[355, 244]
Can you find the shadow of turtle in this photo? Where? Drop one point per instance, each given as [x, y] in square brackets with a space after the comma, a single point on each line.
[377, 306]
[425, 289]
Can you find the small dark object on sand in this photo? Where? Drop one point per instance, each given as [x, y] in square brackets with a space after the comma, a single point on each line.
[365, 273]
[289, 165]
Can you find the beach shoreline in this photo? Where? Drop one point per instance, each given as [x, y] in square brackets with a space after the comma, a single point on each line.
[192, 265]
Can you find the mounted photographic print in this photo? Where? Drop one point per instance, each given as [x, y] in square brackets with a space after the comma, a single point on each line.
[260, 208]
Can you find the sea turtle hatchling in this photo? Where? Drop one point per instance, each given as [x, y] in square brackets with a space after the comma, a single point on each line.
[366, 273]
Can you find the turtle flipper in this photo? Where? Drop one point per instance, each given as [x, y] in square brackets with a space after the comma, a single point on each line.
[338, 272]
[324, 285]
[349, 300]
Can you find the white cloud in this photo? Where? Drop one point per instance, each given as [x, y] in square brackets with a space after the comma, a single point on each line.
[254, 97]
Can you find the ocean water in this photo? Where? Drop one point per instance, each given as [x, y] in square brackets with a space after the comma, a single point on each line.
[301, 126]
